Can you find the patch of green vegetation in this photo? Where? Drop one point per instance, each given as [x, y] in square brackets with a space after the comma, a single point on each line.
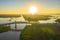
[50, 31]
[39, 32]
[4, 28]
[9, 16]
[36, 17]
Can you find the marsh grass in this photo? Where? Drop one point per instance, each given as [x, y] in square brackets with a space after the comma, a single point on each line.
[40, 32]
[4, 28]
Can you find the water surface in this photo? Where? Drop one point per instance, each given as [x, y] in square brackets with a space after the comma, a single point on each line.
[10, 35]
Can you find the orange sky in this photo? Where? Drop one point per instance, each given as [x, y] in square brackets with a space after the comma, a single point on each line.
[41, 10]
[23, 8]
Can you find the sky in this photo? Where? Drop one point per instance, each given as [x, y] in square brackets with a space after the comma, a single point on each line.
[22, 6]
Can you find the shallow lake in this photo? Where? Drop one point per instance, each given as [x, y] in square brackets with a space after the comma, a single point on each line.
[10, 35]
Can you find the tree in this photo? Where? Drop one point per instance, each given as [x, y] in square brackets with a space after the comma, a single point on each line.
[58, 20]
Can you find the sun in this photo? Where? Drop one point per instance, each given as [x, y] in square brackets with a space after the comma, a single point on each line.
[33, 9]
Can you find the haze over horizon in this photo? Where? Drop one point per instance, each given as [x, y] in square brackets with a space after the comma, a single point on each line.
[22, 6]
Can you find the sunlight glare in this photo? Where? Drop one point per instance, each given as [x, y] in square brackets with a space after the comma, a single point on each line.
[33, 10]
